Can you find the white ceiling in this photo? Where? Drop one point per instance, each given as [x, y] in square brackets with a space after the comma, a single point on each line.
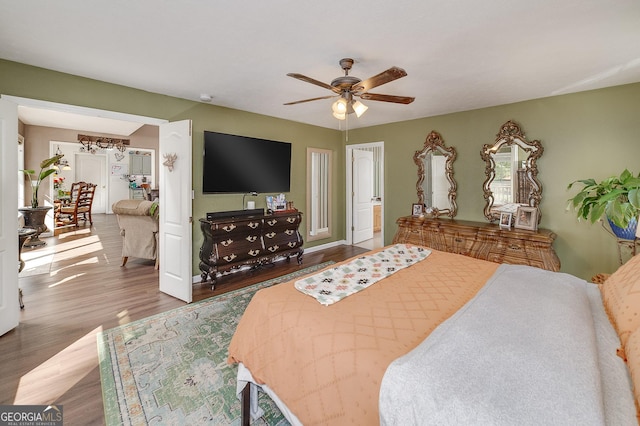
[459, 54]
[65, 120]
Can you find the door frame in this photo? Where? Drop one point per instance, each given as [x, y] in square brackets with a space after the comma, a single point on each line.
[93, 112]
[9, 310]
[349, 187]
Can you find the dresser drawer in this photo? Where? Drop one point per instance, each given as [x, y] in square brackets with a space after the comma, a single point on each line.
[519, 252]
[282, 240]
[235, 250]
[459, 242]
[281, 221]
[221, 230]
[409, 236]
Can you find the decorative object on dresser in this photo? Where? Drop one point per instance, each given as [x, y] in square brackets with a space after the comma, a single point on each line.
[505, 220]
[510, 170]
[436, 187]
[481, 240]
[526, 218]
[247, 238]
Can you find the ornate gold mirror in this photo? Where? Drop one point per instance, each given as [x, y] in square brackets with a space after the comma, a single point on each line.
[436, 186]
[511, 171]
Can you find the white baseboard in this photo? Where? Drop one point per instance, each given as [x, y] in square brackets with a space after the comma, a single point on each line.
[325, 246]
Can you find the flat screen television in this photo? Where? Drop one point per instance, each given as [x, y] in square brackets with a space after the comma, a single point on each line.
[239, 165]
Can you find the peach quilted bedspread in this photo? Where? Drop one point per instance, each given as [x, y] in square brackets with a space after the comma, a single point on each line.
[326, 362]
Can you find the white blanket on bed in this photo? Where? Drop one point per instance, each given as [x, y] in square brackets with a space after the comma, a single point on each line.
[523, 351]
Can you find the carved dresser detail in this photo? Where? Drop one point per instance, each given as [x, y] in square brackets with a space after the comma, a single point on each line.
[481, 240]
[232, 242]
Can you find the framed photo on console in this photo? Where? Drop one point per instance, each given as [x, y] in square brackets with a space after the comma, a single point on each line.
[505, 220]
[526, 218]
[417, 209]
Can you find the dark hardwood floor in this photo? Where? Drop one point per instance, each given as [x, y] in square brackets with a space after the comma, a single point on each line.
[51, 357]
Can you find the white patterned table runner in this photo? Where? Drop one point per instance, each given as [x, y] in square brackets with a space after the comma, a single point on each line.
[334, 284]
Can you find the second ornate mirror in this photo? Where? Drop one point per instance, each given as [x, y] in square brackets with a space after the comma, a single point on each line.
[436, 186]
[511, 171]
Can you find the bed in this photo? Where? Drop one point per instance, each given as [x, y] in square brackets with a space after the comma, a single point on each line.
[446, 340]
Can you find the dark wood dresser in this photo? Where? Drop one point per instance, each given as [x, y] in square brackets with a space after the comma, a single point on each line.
[235, 241]
[481, 240]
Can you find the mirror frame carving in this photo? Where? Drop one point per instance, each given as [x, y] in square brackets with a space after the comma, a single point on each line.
[511, 134]
[432, 143]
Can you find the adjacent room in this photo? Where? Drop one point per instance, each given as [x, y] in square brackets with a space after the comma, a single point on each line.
[243, 213]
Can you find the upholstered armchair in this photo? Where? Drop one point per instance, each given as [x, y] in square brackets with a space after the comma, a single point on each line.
[138, 228]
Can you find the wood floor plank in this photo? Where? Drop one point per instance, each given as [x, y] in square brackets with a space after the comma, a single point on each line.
[51, 357]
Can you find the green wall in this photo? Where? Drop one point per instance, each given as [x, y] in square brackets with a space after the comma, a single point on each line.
[37, 83]
[588, 134]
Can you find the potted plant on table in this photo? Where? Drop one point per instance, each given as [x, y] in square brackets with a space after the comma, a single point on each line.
[34, 216]
[616, 197]
[45, 171]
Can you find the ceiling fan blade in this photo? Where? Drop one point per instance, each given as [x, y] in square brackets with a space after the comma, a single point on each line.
[391, 74]
[312, 81]
[309, 100]
[387, 98]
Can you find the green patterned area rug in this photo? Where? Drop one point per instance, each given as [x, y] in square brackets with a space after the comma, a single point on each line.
[171, 368]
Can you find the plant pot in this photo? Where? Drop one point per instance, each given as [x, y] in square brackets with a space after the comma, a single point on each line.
[34, 218]
[628, 233]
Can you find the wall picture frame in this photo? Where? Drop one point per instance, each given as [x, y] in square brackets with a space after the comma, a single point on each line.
[417, 209]
[505, 220]
[526, 218]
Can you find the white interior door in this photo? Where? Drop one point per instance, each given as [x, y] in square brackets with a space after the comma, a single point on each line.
[9, 307]
[362, 195]
[175, 219]
[92, 168]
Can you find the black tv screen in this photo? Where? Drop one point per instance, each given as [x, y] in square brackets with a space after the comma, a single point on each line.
[240, 164]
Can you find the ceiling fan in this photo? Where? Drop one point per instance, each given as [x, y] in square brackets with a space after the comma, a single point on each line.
[347, 87]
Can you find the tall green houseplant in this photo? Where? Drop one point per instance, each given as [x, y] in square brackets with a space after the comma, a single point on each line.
[45, 171]
[616, 197]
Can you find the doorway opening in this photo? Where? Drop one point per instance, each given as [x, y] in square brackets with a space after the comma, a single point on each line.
[60, 119]
[365, 195]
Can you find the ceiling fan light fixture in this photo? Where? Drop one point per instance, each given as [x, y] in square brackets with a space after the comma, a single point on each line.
[359, 108]
[340, 106]
[340, 116]
[347, 86]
